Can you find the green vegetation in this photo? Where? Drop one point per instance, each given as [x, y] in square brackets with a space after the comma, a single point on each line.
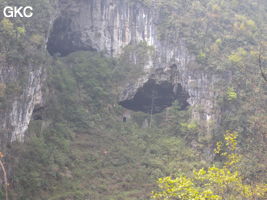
[82, 148]
[227, 37]
[22, 43]
[216, 183]
[79, 147]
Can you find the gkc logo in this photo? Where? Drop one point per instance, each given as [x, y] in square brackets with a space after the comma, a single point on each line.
[21, 11]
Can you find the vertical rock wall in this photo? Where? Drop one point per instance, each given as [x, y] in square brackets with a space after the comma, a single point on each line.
[110, 25]
[102, 25]
[16, 114]
[22, 83]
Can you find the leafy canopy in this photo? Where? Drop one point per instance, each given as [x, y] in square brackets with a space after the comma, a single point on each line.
[214, 183]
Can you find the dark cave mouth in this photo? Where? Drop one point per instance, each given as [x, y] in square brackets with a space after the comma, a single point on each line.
[154, 97]
[63, 41]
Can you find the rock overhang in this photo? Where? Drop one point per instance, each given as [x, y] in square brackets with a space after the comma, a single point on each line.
[63, 40]
[153, 96]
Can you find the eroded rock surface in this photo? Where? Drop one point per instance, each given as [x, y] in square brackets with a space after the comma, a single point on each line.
[109, 26]
[17, 110]
[102, 25]
[152, 94]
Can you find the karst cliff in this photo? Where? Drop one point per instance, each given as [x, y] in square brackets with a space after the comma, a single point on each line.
[108, 26]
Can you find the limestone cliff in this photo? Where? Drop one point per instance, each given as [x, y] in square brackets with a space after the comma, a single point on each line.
[15, 117]
[22, 74]
[109, 26]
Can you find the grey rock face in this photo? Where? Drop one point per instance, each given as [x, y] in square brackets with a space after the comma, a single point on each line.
[24, 82]
[108, 26]
[16, 116]
[111, 25]
[102, 25]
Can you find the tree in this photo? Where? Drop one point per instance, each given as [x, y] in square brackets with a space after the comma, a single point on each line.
[214, 183]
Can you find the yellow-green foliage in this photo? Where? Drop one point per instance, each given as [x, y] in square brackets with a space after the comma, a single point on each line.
[238, 55]
[7, 26]
[216, 182]
[21, 31]
[189, 126]
[231, 94]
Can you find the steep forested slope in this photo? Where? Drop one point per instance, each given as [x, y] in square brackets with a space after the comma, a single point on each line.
[84, 149]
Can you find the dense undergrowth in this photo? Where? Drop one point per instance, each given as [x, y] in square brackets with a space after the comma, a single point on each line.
[81, 147]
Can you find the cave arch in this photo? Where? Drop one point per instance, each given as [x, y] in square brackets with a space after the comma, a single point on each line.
[154, 96]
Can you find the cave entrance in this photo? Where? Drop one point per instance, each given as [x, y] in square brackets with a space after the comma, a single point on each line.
[63, 40]
[153, 97]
